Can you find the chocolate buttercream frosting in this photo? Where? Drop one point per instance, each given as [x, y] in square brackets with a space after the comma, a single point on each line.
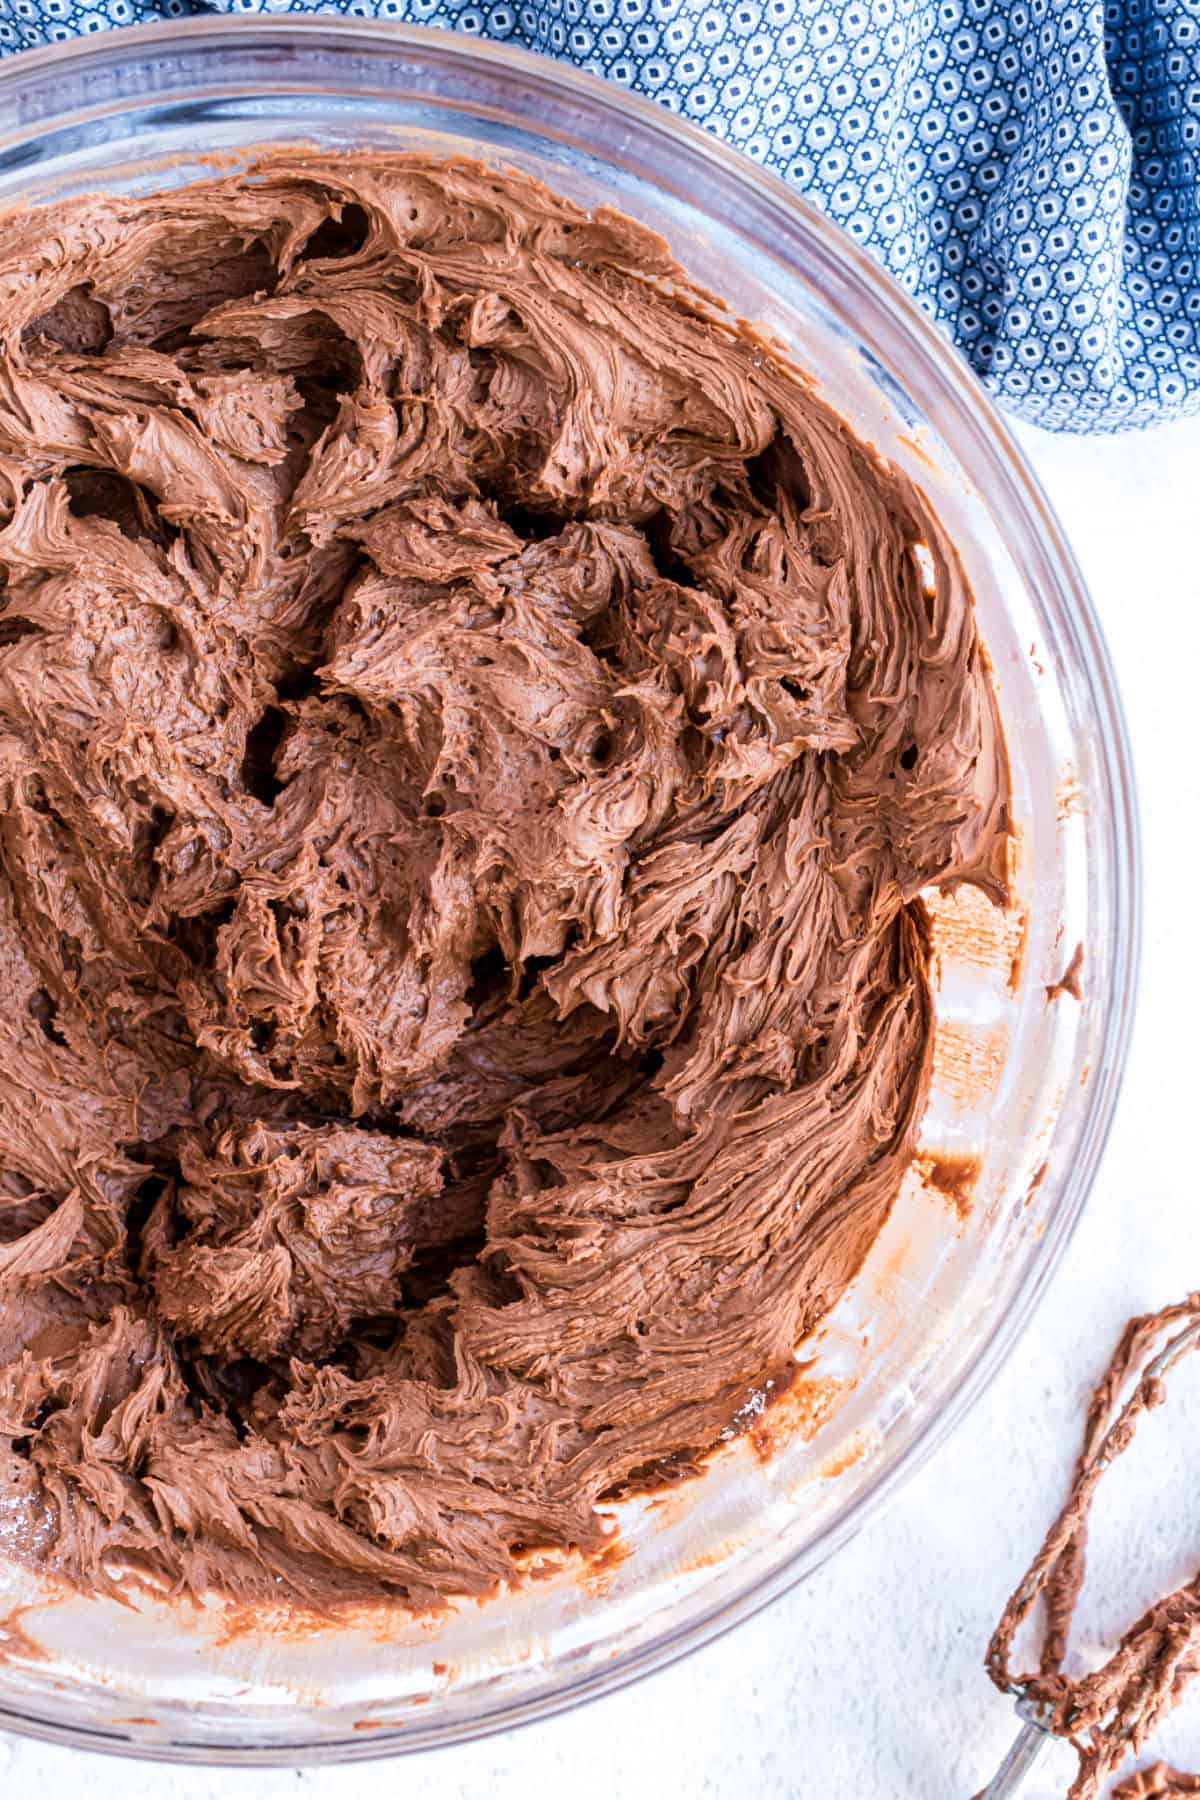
[1158, 1782]
[1108, 1713]
[474, 731]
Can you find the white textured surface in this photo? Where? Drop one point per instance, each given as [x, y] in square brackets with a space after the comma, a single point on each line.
[867, 1682]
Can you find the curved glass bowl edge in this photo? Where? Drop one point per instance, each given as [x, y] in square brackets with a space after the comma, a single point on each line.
[975, 423]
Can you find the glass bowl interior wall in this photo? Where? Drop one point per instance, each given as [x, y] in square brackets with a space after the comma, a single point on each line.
[1023, 1090]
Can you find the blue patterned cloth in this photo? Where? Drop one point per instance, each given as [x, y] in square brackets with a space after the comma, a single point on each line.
[1027, 168]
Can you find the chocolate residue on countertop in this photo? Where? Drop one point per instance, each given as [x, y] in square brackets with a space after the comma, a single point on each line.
[474, 731]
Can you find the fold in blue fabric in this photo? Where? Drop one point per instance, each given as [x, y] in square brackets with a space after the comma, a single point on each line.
[1027, 169]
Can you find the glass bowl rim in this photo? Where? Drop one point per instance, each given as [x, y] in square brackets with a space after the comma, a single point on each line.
[1017, 489]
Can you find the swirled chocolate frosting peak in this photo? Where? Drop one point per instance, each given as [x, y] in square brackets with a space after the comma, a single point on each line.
[474, 731]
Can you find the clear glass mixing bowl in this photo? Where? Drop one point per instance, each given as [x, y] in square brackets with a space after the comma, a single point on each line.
[1023, 1090]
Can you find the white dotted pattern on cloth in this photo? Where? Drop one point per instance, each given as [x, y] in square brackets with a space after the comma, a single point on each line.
[1027, 169]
